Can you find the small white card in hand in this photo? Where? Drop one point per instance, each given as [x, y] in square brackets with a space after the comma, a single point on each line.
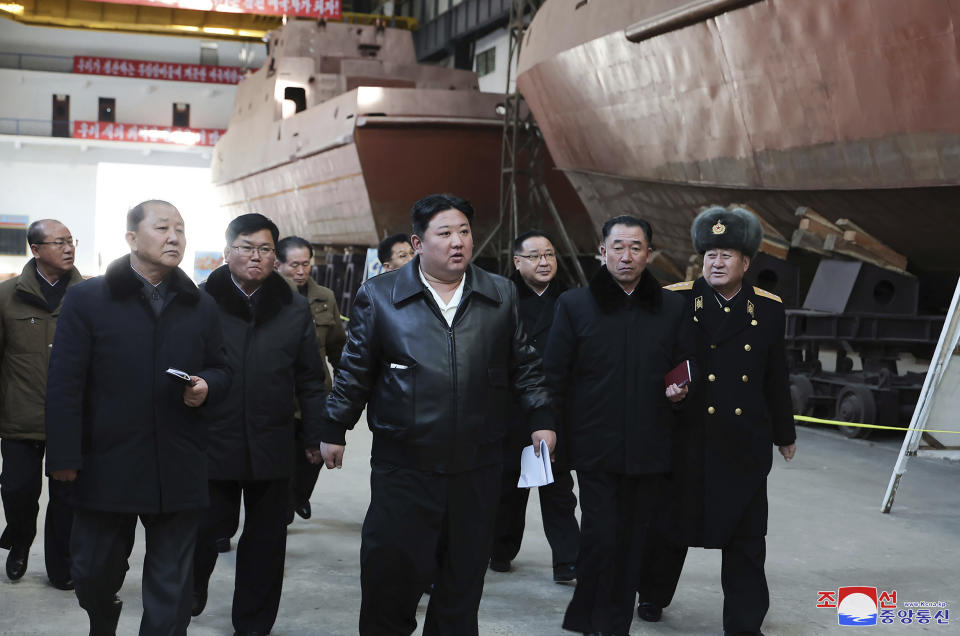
[535, 471]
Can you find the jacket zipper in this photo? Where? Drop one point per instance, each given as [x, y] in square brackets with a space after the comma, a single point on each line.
[453, 374]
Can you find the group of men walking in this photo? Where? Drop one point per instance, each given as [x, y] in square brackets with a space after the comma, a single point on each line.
[170, 404]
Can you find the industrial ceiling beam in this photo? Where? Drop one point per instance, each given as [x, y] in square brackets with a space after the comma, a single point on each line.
[79, 14]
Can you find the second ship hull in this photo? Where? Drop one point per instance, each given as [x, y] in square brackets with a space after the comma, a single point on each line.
[845, 107]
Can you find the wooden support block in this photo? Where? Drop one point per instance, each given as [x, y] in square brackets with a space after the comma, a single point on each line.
[813, 215]
[775, 247]
[809, 241]
[853, 233]
[876, 248]
[847, 224]
[841, 246]
[821, 228]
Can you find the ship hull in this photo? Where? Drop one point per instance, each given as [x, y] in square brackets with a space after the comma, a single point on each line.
[356, 183]
[845, 107]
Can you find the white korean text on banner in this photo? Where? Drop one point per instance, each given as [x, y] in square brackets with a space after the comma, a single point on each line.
[330, 9]
[110, 131]
[157, 70]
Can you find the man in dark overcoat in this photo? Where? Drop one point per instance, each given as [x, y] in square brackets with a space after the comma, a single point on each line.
[435, 348]
[535, 275]
[271, 346]
[739, 408]
[610, 347]
[131, 436]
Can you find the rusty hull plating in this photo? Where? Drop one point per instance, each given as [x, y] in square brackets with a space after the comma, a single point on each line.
[341, 131]
[846, 107]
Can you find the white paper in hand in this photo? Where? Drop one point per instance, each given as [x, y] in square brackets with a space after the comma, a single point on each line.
[535, 471]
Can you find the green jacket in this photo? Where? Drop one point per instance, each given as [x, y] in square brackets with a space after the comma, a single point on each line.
[26, 337]
[326, 319]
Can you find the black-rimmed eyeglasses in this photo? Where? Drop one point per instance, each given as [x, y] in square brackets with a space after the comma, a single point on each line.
[248, 250]
[533, 258]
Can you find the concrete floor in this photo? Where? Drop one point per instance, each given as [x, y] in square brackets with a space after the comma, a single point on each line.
[826, 531]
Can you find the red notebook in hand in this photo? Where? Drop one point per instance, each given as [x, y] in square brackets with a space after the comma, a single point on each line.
[680, 375]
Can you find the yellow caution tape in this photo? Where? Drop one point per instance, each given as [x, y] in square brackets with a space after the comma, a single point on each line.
[817, 420]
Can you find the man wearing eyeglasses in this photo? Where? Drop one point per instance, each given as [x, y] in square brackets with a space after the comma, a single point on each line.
[271, 346]
[29, 307]
[394, 252]
[535, 276]
[294, 259]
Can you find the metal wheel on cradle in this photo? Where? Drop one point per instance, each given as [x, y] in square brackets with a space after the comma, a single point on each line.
[856, 404]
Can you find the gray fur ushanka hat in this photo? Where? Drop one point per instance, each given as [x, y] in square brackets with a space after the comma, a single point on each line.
[726, 228]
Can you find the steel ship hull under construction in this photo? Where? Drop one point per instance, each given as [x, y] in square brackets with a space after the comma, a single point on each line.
[657, 107]
[341, 131]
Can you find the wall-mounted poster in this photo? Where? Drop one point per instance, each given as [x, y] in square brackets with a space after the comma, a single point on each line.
[204, 263]
[13, 234]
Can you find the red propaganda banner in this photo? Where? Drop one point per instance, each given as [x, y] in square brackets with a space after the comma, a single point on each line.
[157, 70]
[146, 134]
[330, 9]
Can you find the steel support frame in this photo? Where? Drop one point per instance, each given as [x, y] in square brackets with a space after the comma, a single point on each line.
[522, 162]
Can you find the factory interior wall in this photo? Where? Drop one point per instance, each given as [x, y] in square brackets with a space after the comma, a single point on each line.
[28, 95]
[22, 38]
[92, 201]
[64, 191]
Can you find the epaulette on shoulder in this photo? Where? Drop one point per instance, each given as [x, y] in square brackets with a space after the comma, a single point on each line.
[680, 286]
[766, 294]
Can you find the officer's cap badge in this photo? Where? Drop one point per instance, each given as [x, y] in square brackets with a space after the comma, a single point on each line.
[719, 228]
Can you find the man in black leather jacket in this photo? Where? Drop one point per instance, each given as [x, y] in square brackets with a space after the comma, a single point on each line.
[436, 348]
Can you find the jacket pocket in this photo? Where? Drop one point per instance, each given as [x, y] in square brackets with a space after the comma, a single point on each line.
[394, 405]
[26, 334]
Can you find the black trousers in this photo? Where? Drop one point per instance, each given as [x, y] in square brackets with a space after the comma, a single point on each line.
[305, 476]
[261, 550]
[426, 528]
[746, 597]
[21, 483]
[101, 543]
[660, 570]
[615, 514]
[557, 507]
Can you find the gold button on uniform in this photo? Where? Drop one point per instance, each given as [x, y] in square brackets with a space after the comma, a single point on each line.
[738, 411]
[753, 322]
[711, 377]
[711, 410]
[746, 347]
[695, 319]
[713, 346]
[745, 378]
[726, 310]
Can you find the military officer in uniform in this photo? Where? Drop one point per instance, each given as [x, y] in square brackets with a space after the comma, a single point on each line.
[738, 409]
